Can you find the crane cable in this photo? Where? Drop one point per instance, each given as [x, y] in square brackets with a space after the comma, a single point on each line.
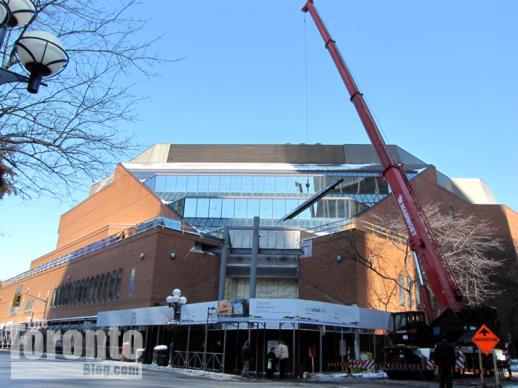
[306, 114]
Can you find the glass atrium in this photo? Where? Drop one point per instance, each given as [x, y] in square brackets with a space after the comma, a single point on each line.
[215, 200]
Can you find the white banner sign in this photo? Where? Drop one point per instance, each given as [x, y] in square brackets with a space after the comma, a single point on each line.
[304, 310]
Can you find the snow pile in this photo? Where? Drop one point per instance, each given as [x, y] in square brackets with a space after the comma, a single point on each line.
[344, 376]
[195, 373]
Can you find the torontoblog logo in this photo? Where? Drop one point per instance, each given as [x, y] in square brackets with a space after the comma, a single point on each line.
[74, 355]
[406, 216]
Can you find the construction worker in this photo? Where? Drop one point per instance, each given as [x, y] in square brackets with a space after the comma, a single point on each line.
[444, 358]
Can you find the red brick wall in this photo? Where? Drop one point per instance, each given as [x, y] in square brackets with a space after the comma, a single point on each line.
[155, 275]
[125, 201]
[351, 281]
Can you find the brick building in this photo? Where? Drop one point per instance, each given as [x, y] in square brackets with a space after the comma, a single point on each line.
[162, 220]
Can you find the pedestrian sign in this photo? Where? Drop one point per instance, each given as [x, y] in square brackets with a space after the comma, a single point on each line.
[485, 339]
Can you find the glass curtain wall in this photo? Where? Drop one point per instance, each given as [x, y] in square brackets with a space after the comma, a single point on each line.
[242, 197]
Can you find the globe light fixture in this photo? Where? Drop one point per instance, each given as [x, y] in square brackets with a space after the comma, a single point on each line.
[21, 12]
[42, 54]
[176, 301]
[4, 13]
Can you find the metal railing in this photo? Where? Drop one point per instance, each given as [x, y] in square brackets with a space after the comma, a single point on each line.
[366, 226]
[157, 222]
[194, 360]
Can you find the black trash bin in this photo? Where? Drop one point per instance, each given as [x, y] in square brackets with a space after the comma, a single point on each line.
[161, 355]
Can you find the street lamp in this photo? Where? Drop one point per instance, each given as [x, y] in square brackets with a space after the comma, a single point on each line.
[175, 301]
[40, 53]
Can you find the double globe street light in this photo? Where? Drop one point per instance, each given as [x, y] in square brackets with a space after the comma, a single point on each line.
[39, 52]
[176, 301]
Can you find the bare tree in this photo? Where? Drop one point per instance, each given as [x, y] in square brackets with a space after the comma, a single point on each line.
[468, 244]
[52, 141]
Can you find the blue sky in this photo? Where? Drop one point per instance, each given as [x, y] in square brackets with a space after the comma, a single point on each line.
[441, 78]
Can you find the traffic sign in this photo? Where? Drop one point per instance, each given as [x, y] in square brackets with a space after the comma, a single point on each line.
[485, 339]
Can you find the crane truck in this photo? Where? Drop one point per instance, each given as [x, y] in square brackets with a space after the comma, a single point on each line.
[412, 334]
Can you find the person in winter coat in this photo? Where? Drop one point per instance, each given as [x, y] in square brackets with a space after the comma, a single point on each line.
[444, 358]
[245, 358]
[282, 352]
[271, 360]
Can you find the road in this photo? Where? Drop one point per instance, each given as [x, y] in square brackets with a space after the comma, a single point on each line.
[168, 378]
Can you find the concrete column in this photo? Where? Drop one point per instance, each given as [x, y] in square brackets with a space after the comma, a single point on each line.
[223, 264]
[253, 262]
[357, 345]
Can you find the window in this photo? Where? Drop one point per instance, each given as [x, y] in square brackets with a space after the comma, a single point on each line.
[181, 183]
[106, 281]
[118, 284]
[253, 208]
[28, 305]
[91, 290]
[190, 207]
[279, 208]
[81, 291]
[227, 209]
[248, 184]
[53, 300]
[95, 296]
[192, 184]
[280, 184]
[452, 212]
[224, 184]
[341, 209]
[269, 184]
[131, 282]
[66, 293]
[291, 185]
[215, 208]
[266, 208]
[203, 184]
[235, 184]
[111, 285]
[74, 289]
[202, 210]
[100, 288]
[258, 186]
[214, 183]
[240, 208]
[410, 287]
[291, 204]
[160, 183]
[402, 291]
[170, 183]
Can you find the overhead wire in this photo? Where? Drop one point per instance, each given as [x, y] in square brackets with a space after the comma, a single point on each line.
[306, 113]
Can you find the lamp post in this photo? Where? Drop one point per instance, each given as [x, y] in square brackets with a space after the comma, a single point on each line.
[175, 301]
[210, 311]
[39, 52]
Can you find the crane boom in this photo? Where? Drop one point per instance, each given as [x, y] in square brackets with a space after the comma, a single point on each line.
[420, 235]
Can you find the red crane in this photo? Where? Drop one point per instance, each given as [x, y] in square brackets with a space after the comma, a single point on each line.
[421, 239]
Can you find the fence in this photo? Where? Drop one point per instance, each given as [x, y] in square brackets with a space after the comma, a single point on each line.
[194, 360]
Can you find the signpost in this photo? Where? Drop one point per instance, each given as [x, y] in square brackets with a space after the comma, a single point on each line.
[486, 342]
